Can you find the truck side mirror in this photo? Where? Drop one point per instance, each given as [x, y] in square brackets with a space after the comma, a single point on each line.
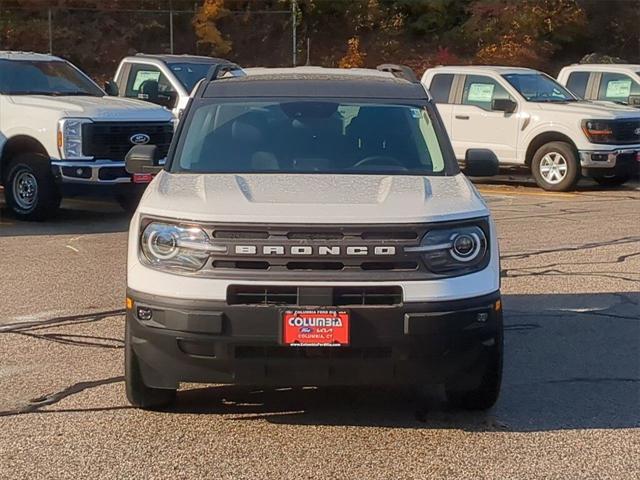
[481, 162]
[143, 159]
[111, 88]
[634, 100]
[505, 105]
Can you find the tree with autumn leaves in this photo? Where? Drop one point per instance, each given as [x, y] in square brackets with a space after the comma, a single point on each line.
[545, 34]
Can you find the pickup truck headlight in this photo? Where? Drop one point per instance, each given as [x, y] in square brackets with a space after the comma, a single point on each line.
[175, 247]
[598, 131]
[70, 138]
[453, 250]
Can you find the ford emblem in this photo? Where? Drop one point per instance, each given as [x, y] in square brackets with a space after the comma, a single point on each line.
[139, 139]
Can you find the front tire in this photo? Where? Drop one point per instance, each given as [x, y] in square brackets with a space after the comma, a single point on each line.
[30, 189]
[139, 394]
[486, 393]
[130, 200]
[555, 167]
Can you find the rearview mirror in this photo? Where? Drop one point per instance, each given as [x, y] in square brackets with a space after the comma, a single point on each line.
[143, 159]
[111, 88]
[481, 162]
[505, 105]
[634, 100]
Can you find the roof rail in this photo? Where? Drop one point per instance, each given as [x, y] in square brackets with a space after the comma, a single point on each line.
[217, 71]
[399, 71]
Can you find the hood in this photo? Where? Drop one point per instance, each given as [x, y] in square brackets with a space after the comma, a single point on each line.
[311, 198]
[97, 108]
[591, 109]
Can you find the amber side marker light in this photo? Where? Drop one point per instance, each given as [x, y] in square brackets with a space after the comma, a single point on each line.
[129, 303]
[498, 305]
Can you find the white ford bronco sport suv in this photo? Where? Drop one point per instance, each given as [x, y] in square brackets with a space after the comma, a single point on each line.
[529, 119]
[312, 227]
[165, 80]
[61, 135]
[608, 82]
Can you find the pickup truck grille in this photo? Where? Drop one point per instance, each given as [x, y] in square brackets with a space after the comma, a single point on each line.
[322, 252]
[112, 140]
[626, 131]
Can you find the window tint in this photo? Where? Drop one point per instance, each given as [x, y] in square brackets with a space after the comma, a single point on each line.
[190, 73]
[537, 87]
[616, 87]
[441, 87]
[56, 78]
[481, 91]
[577, 83]
[305, 136]
[146, 82]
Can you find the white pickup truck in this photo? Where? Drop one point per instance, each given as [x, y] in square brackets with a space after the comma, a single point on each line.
[61, 135]
[529, 119]
[165, 80]
[607, 82]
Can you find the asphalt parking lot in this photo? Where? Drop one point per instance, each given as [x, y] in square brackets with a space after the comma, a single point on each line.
[570, 406]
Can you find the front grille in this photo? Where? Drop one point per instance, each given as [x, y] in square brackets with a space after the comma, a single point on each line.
[624, 131]
[326, 296]
[112, 140]
[322, 252]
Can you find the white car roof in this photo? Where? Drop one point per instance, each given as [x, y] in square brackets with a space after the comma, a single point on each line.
[317, 71]
[476, 69]
[602, 67]
[28, 56]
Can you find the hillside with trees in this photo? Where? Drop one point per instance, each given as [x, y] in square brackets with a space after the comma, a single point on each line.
[544, 34]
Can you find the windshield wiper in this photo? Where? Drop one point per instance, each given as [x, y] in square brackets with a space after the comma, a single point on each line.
[51, 94]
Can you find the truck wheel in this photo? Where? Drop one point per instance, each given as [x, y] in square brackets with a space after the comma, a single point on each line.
[485, 395]
[30, 189]
[139, 394]
[613, 180]
[555, 167]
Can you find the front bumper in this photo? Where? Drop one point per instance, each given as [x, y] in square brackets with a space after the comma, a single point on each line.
[102, 172]
[408, 344]
[608, 159]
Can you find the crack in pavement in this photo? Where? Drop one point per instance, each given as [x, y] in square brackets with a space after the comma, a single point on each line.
[553, 272]
[70, 339]
[53, 398]
[60, 321]
[586, 246]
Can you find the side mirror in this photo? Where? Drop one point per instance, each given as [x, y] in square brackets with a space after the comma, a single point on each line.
[480, 162]
[634, 100]
[143, 159]
[505, 105]
[111, 88]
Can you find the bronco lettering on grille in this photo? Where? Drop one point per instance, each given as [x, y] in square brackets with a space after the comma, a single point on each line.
[323, 250]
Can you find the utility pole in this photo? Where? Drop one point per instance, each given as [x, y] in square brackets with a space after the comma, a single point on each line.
[294, 21]
[171, 26]
[50, 20]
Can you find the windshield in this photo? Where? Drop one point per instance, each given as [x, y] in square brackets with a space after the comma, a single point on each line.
[44, 78]
[190, 73]
[536, 87]
[310, 137]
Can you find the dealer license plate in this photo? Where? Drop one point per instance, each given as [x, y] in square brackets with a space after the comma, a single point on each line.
[316, 328]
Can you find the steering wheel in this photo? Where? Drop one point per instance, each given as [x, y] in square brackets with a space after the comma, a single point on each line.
[378, 161]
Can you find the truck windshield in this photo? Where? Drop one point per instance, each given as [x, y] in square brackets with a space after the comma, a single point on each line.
[56, 78]
[308, 136]
[188, 74]
[536, 87]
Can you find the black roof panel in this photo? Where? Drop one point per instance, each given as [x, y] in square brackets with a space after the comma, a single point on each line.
[315, 85]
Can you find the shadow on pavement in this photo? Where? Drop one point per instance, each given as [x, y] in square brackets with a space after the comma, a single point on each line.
[75, 216]
[572, 362]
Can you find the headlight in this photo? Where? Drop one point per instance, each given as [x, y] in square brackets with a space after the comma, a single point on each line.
[70, 138]
[456, 249]
[598, 131]
[175, 247]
